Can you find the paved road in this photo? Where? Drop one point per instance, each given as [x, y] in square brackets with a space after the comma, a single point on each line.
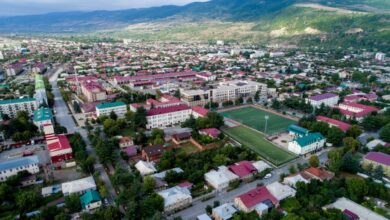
[199, 207]
[64, 117]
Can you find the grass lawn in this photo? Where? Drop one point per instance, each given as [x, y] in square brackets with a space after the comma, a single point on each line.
[188, 148]
[257, 142]
[254, 118]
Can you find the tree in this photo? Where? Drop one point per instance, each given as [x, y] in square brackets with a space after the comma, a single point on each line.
[177, 94]
[335, 160]
[149, 183]
[314, 161]
[215, 120]
[354, 131]
[319, 126]
[385, 133]
[292, 169]
[335, 136]
[378, 172]
[72, 202]
[356, 188]
[350, 163]
[27, 200]
[209, 209]
[140, 120]
[113, 115]
[350, 144]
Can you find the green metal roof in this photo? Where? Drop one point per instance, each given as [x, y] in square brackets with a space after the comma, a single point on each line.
[39, 83]
[11, 101]
[309, 139]
[43, 114]
[110, 105]
[89, 197]
[297, 129]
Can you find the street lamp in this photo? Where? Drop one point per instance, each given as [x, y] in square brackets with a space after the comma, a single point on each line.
[266, 117]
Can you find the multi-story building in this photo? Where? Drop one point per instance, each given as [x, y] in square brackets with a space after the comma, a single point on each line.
[356, 110]
[167, 116]
[40, 90]
[307, 144]
[378, 159]
[225, 91]
[119, 108]
[93, 91]
[196, 97]
[235, 89]
[43, 116]
[13, 167]
[328, 99]
[10, 107]
[380, 56]
[60, 151]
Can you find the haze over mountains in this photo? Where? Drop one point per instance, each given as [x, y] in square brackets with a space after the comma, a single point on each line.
[239, 20]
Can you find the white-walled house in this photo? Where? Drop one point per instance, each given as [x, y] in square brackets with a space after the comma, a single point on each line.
[307, 144]
[220, 179]
[328, 99]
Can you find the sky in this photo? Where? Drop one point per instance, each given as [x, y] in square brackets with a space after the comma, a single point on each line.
[27, 7]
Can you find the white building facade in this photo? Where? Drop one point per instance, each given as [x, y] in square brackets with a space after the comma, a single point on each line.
[105, 109]
[12, 106]
[13, 167]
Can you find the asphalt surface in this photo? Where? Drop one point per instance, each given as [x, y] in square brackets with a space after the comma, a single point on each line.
[64, 118]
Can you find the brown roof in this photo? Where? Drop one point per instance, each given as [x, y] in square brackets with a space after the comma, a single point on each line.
[318, 173]
[153, 150]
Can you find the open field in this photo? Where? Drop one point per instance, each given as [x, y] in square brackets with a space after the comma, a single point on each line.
[254, 118]
[257, 142]
[187, 148]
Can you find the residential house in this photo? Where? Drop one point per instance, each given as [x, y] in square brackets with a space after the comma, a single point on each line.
[145, 167]
[256, 199]
[79, 186]
[11, 107]
[90, 200]
[175, 198]
[220, 179]
[152, 153]
[125, 142]
[243, 169]
[354, 211]
[224, 211]
[211, 132]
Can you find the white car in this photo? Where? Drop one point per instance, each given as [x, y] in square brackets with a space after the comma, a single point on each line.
[269, 175]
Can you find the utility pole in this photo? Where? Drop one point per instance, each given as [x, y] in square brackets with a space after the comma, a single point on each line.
[266, 117]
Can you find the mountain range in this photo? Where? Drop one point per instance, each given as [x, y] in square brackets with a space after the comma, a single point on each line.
[226, 19]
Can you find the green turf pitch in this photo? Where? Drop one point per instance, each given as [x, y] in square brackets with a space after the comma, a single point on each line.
[254, 118]
[257, 142]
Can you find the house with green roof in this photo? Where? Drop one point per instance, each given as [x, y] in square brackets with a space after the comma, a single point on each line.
[119, 108]
[297, 131]
[40, 90]
[307, 144]
[43, 116]
[90, 200]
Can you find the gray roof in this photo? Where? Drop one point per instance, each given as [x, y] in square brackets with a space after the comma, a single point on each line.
[22, 161]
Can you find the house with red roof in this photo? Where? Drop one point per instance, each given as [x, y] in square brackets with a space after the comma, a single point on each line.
[356, 110]
[243, 169]
[93, 91]
[199, 112]
[317, 173]
[254, 199]
[334, 123]
[211, 132]
[378, 159]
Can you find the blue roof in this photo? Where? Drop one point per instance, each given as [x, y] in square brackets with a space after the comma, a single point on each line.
[297, 129]
[22, 161]
[110, 105]
[309, 139]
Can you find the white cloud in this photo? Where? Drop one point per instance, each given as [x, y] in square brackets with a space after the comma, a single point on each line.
[22, 7]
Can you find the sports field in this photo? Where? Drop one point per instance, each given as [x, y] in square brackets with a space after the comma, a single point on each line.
[255, 118]
[257, 142]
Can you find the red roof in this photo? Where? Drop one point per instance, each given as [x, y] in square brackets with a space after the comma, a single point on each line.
[319, 173]
[185, 184]
[211, 132]
[242, 169]
[201, 111]
[364, 109]
[256, 196]
[61, 144]
[165, 110]
[342, 125]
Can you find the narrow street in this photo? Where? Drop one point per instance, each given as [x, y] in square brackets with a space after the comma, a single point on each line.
[64, 118]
